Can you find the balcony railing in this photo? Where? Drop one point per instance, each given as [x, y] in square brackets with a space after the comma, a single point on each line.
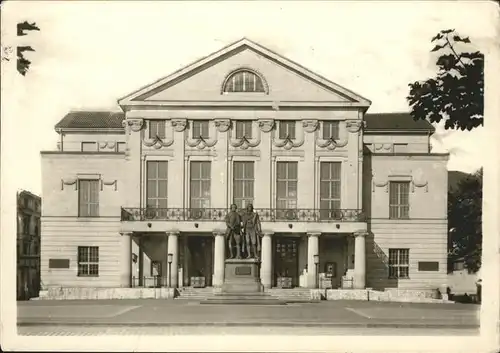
[219, 214]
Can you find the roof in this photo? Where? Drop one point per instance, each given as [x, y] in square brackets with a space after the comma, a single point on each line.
[396, 121]
[135, 97]
[91, 120]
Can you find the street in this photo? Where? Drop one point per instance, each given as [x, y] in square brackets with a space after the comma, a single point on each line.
[157, 317]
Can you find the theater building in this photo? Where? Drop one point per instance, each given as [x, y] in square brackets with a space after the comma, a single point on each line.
[346, 199]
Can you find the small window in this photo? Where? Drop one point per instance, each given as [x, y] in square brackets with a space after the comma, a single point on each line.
[399, 263]
[200, 129]
[121, 146]
[157, 129]
[287, 130]
[244, 81]
[243, 129]
[88, 261]
[89, 146]
[400, 148]
[399, 200]
[330, 130]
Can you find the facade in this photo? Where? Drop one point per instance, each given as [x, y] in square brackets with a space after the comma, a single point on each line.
[138, 198]
[28, 245]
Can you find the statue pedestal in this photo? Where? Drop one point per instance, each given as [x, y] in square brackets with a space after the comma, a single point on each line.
[241, 276]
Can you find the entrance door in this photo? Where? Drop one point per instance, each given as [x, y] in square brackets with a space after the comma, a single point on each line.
[286, 262]
[200, 265]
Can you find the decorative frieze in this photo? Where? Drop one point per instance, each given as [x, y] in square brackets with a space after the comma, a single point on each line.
[113, 183]
[222, 125]
[310, 125]
[69, 181]
[179, 125]
[266, 125]
[135, 124]
[354, 126]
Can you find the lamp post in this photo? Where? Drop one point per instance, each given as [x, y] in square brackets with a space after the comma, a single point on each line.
[169, 259]
[316, 263]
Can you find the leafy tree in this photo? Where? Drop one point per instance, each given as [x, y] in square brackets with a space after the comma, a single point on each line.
[455, 95]
[464, 220]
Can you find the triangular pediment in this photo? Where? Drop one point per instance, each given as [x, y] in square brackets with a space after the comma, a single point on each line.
[203, 82]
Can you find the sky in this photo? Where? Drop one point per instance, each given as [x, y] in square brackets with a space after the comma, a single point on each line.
[89, 54]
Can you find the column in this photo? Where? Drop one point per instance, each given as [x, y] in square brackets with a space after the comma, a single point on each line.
[312, 249]
[126, 260]
[173, 249]
[359, 260]
[219, 257]
[266, 261]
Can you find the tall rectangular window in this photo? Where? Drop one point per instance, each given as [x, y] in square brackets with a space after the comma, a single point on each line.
[399, 263]
[330, 130]
[88, 261]
[200, 129]
[399, 200]
[286, 186]
[88, 193]
[286, 129]
[243, 129]
[156, 189]
[157, 129]
[89, 146]
[200, 185]
[329, 190]
[243, 183]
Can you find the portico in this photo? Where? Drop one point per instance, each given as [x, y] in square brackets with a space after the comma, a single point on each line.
[287, 260]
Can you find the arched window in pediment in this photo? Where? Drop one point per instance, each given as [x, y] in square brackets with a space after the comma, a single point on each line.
[244, 81]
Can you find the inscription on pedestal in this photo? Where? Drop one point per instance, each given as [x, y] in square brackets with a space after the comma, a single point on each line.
[243, 271]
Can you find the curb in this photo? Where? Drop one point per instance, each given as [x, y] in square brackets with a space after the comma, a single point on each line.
[249, 324]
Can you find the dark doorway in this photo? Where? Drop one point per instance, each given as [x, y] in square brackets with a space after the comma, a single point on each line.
[286, 261]
[200, 259]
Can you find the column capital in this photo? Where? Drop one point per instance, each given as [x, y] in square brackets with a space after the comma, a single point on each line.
[268, 233]
[127, 233]
[173, 233]
[219, 232]
[313, 234]
[360, 233]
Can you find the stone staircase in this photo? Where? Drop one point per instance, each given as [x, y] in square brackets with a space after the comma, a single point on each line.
[294, 295]
[195, 294]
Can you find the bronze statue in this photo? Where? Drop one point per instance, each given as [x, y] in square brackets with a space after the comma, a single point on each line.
[233, 231]
[252, 231]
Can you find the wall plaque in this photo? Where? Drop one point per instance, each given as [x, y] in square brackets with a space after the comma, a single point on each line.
[428, 266]
[58, 263]
[243, 271]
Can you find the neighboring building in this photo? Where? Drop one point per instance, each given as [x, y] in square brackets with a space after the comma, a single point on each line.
[244, 125]
[28, 245]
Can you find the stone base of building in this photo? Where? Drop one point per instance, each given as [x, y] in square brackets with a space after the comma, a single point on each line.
[106, 293]
[388, 295]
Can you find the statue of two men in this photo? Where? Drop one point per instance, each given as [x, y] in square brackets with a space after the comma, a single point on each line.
[244, 231]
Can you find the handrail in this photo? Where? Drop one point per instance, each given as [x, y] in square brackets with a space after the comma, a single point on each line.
[219, 214]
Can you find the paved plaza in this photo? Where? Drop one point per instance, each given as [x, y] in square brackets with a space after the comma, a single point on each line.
[184, 317]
